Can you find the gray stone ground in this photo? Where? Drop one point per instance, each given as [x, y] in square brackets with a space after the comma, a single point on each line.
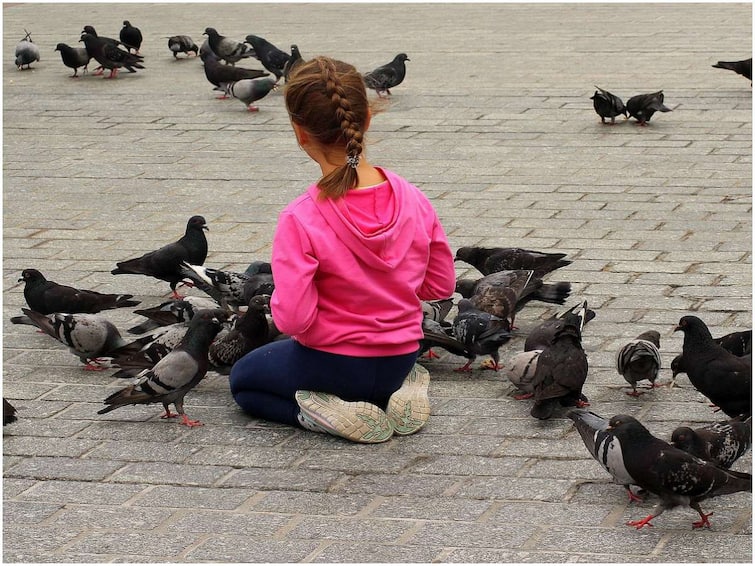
[495, 124]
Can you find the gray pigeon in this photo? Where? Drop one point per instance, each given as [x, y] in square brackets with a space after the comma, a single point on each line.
[603, 447]
[182, 44]
[250, 90]
[387, 76]
[640, 359]
[87, 336]
[228, 288]
[222, 75]
[73, 57]
[27, 52]
[608, 105]
[721, 443]
[272, 58]
[641, 107]
[174, 375]
[227, 49]
[171, 312]
[165, 263]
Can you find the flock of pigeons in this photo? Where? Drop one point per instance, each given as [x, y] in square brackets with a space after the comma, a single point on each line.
[219, 55]
[182, 338]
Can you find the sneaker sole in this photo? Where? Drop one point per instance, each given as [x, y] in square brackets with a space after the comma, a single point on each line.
[357, 421]
[409, 407]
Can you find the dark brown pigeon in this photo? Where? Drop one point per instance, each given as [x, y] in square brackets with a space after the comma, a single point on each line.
[560, 374]
[608, 105]
[272, 58]
[47, 297]
[738, 343]
[504, 293]
[721, 443]
[131, 36]
[165, 263]
[174, 375]
[721, 376]
[743, 67]
[491, 260]
[250, 330]
[387, 76]
[74, 57]
[640, 359]
[480, 332]
[676, 477]
[110, 56]
[641, 107]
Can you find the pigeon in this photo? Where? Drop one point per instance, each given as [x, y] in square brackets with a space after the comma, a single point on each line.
[228, 288]
[676, 477]
[738, 343]
[250, 90]
[131, 36]
[522, 366]
[165, 263]
[603, 447]
[438, 331]
[721, 376]
[73, 57]
[640, 359]
[272, 58]
[249, 331]
[87, 336]
[47, 297]
[561, 373]
[743, 68]
[114, 42]
[110, 56]
[27, 52]
[227, 49]
[9, 412]
[542, 335]
[182, 44]
[721, 443]
[174, 375]
[504, 293]
[293, 61]
[222, 75]
[171, 312]
[642, 106]
[258, 266]
[387, 76]
[490, 260]
[608, 105]
[480, 332]
[144, 352]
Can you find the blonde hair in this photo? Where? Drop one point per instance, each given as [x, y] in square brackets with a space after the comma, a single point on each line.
[328, 99]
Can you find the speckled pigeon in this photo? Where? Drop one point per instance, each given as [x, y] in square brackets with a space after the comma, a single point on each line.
[174, 375]
[250, 330]
[87, 336]
[608, 105]
[721, 376]
[272, 58]
[387, 76]
[227, 49]
[74, 57]
[165, 263]
[640, 359]
[642, 106]
[228, 288]
[182, 44]
[721, 443]
[170, 312]
[743, 67]
[491, 260]
[250, 90]
[603, 447]
[481, 333]
[47, 297]
[676, 477]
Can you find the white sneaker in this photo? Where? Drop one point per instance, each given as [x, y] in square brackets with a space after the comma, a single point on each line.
[358, 421]
[409, 407]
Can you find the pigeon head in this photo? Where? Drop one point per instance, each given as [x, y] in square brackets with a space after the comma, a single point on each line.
[677, 366]
[260, 302]
[59, 46]
[627, 423]
[89, 30]
[465, 287]
[651, 336]
[683, 438]
[694, 327]
[401, 57]
[197, 223]
[212, 32]
[126, 24]
[29, 275]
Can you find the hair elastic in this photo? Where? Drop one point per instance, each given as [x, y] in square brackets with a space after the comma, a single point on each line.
[352, 161]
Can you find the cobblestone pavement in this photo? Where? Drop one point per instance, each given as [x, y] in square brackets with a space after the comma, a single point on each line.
[495, 124]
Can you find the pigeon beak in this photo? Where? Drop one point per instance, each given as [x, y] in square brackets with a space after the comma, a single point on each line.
[206, 227]
[677, 328]
[20, 279]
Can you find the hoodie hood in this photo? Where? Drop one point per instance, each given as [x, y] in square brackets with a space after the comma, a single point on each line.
[377, 224]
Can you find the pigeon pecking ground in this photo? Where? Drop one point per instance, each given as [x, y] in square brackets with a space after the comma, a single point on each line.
[655, 220]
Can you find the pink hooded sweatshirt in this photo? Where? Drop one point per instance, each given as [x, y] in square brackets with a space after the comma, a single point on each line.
[350, 273]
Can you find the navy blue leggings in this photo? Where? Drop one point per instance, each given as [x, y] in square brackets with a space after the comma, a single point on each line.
[265, 380]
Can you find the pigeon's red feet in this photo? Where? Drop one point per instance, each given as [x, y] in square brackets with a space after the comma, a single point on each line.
[642, 522]
[465, 368]
[98, 71]
[582, 404]
[185, 420]
[524, 396]
[430, 355]
[94, 365]
[113, 73]
[703, 522]
[176, 295]
[223, 97]
[634, 393]
[168, 415]
[634, 497]
[252, 109]
[715, 407]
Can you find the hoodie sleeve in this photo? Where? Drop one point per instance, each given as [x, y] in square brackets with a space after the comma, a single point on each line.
[440, 276]
[294, 301]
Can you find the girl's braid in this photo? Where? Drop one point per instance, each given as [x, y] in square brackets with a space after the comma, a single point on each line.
[350, 127]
